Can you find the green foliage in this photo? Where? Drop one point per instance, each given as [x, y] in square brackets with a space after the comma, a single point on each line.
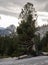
[26, 28]
[27, 10]
[8, 46]
[44, 42]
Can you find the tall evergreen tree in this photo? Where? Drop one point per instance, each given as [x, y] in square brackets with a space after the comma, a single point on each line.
[26, 28]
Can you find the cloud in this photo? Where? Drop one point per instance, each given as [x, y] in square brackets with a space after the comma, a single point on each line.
[13, 7]
[43, 5]
[42, 1]
[9, 8]
[46, 8]
[5, 21]
[9, 13]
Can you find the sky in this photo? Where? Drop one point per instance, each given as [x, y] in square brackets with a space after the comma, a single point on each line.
[10, 10]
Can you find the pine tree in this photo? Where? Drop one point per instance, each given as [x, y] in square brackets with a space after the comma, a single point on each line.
[26, 28]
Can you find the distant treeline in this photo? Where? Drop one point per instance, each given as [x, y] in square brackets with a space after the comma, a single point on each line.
[9, 46]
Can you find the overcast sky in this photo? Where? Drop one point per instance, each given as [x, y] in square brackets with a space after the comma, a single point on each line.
[10, 9]
[13, 7]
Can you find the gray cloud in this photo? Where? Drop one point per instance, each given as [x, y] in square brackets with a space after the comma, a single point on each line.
[10, 7]
[41, 0]
[9, 13]
[46, 7]
[42, 4]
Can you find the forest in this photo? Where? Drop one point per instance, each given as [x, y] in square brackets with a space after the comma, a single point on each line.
[25, 39]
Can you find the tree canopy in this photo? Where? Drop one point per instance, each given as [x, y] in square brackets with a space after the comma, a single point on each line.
[26, 28]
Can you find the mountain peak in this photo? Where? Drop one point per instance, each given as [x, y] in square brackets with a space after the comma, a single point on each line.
[7, 31]
[12, 28]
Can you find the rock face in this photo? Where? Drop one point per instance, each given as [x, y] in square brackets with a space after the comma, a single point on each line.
[7, 31]
[42, 31]
[11, 28]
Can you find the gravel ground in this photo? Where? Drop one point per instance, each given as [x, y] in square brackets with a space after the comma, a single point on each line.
[40, 60]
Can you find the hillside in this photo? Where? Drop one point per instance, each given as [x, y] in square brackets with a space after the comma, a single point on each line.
[42, 30]
[7, 31]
